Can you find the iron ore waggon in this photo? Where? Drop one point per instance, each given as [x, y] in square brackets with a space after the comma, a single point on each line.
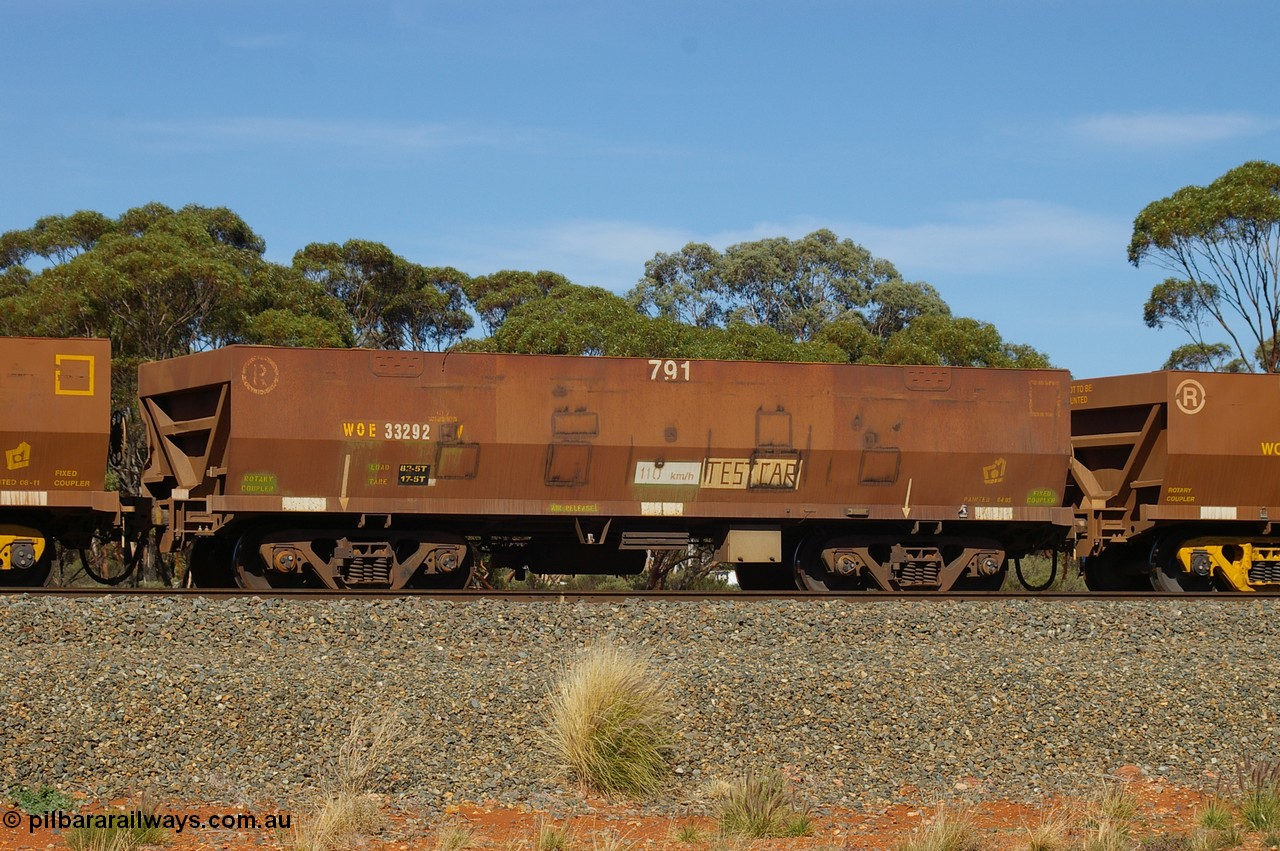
[55, 435]
[390, 469]
[1176, 479]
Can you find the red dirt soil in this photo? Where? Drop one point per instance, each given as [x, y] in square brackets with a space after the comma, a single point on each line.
[1162, 809]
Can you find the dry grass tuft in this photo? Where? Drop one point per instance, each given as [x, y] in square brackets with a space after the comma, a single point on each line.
[118, 836]
[761, 805]
[1050, 834]
[947, 832]
[609, 723]
[551, 837]
[1259, 783]
[455, 837]
[335, 823]
[1111, 820]
[344, 809]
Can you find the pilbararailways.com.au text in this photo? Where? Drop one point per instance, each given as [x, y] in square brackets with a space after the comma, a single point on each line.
[138, 819]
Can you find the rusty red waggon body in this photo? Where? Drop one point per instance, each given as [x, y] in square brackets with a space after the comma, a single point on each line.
[55, 431]
[352, 468]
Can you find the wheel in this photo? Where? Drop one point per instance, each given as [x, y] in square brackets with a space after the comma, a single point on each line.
[209, 565]
[250, 572]
[1117, 568]
[1173, 580]
[32, 577]
[811, 572]
[983, 583]
[458, 578]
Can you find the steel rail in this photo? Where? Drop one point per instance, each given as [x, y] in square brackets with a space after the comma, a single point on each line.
[576, 596]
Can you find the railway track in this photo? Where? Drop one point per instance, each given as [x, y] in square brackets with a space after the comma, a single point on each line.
[557, 596]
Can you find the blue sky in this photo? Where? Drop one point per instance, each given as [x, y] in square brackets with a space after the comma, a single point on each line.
[997, 150]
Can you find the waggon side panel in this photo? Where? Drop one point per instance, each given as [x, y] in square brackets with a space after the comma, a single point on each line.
[476, 434]
[55, 400]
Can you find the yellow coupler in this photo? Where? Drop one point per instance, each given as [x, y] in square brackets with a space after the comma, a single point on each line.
[1240, 563]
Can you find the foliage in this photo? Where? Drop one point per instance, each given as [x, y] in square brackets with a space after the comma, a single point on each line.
[117, 835]
[392, 302]
[1259, 783]
[946, 833]
[1204, 357]
[1222, 242]
[1215, 815]
[830, 297]
[574, 320]
[1111, 819]
[337, 822]
[1036, 568]
[43, 799]
[455, 837]
[551, 837]
[950, 341]
[761, 805]
[793, 286]
[368, 748]
[344, 810]
[495, 296]
[159, 283]
[609, 723]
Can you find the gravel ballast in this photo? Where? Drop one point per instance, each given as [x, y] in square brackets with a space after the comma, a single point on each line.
[861, 702]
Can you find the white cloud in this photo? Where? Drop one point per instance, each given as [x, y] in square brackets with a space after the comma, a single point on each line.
[603, 253]
[997, 238]
[1158, 129]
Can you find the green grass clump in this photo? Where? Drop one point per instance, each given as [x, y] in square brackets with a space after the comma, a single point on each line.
[1259, 782]
[761, 805]
[688, 832]
[455, 837]
[1111, 820]
[552, 838]
[1215, 815]
[609, 723]
[116, 836]
[43, 799]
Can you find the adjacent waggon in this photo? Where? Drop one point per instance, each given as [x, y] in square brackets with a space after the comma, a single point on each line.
[55, 435]
[1176, 480]
[278, 467]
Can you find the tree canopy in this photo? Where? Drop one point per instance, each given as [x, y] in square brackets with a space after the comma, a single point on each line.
[392, 303]
[821, 298]
[161, 282]
[158, 282]
[1222, 242]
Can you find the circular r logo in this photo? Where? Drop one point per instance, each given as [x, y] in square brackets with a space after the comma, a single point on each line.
[1190, 396]
[260, 375]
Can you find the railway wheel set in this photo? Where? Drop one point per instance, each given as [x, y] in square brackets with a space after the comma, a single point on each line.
[358, 469]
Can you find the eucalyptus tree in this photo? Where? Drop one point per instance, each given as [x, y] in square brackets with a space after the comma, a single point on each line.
[1222, 243]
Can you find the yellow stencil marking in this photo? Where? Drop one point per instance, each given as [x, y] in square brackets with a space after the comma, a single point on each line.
[73, 375]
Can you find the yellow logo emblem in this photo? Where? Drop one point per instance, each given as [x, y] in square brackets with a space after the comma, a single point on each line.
[18, 457]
